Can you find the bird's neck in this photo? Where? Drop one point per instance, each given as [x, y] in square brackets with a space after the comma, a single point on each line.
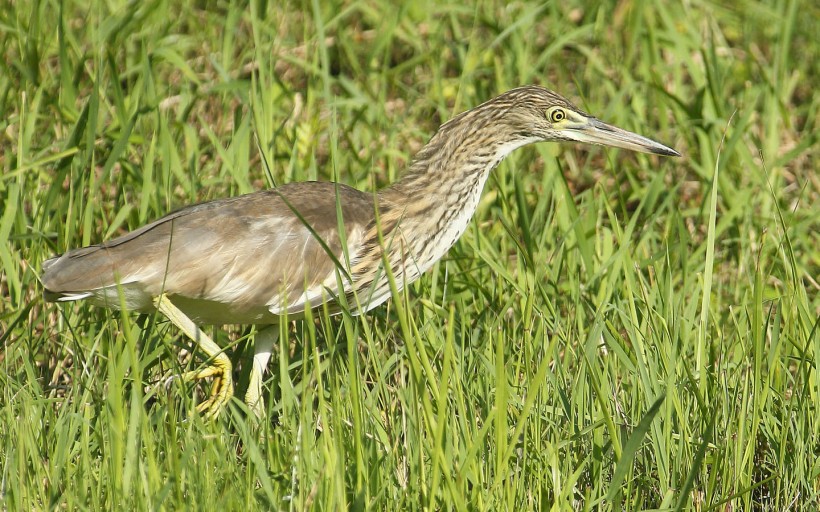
[439, 193]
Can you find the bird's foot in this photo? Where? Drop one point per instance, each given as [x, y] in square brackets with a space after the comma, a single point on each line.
[220, 368]
[221, 388]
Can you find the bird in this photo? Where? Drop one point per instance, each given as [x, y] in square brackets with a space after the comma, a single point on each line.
[270, 255]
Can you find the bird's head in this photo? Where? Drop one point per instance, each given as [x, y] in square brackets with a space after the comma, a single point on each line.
[532, 114]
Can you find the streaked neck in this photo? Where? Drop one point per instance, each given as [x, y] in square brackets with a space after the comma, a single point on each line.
[439, 193]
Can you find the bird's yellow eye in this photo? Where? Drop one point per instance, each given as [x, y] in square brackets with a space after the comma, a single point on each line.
[557, 115]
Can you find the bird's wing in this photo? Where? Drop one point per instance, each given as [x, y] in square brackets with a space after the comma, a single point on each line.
[275, 250]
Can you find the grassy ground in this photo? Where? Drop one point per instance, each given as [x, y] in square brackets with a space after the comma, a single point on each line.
[614, 331]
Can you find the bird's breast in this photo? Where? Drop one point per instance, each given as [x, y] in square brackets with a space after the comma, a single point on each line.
[445, 225]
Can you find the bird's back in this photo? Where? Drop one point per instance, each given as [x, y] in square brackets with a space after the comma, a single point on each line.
[246, 259]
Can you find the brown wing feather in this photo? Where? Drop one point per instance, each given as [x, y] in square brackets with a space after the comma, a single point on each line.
[247, 258]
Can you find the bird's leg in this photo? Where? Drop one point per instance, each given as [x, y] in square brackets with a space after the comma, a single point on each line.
[262, 346]
[220, 368]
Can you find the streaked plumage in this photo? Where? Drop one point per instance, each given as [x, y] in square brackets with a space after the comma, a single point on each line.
[250, 259]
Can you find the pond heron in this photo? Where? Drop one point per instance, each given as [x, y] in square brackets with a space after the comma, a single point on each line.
[270, 255]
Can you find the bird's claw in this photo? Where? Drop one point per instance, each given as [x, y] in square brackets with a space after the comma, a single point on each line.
[221, 388]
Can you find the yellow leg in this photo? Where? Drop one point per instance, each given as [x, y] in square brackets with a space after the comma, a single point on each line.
[262, 347]
[220, 368]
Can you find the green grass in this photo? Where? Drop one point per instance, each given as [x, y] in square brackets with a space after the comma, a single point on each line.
[613, 332]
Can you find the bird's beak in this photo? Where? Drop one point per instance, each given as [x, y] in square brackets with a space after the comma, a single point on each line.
[593, 131]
